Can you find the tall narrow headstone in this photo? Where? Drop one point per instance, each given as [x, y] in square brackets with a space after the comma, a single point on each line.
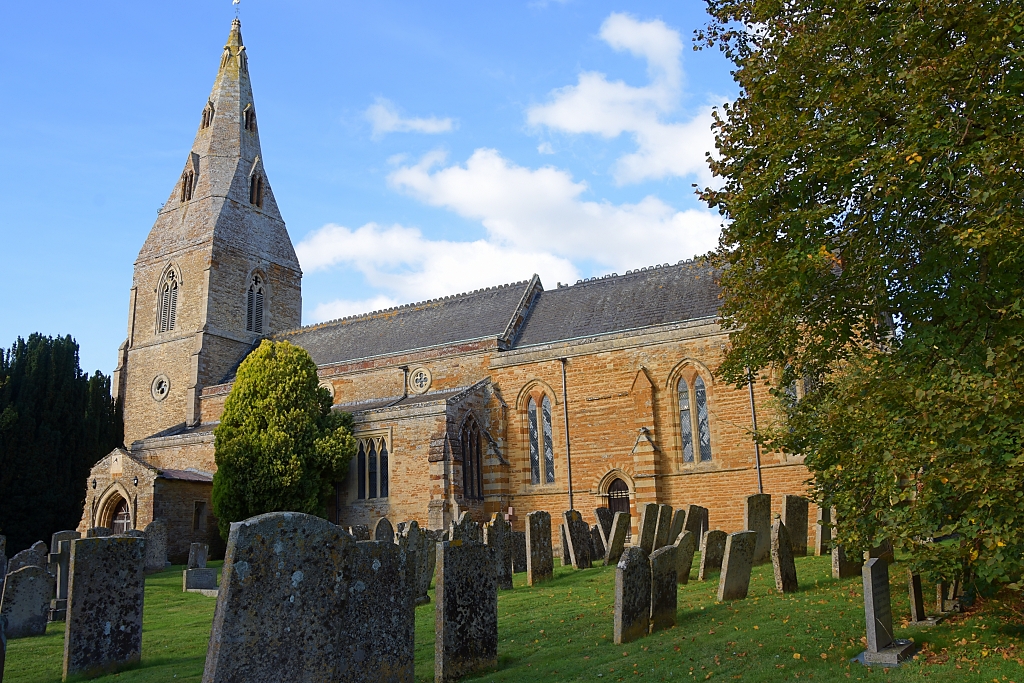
[632, 596]
[597, 548]
[794, 516]
[678, 522]
[739, 560]
[712, 551]
[422, 555]
[26, 601]
[578, 537]
[498, 536]
[539, 561]
[947, 596]
[782, 558]
[103, 631]
[197, 555]
[883, 648]
[697, 522]
[156, 545]
[648, 527]
[518, 552]
[918, 617]
[757, 516]
[301, 598]
[563, 544]
[60, 566]
[823, 532]
[685, 548]
[617, 540]
[466, 616]
[30, 557]
[664, 570]
[384, 531]
[663, 527]
[843, 567]
[604, 524]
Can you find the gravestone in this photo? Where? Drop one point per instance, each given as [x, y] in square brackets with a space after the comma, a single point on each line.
[842, 566]
[26, 601]
[632, 596]
[917, 612]
[578, 535]
[498, 536]
[465, 529]
[685, 548]
[597, 549]
[648, 527]
[360, 532]
[794, 516]
[617, 540]
[663, 526]
[59, 561]
[736, 565]
[197, 555]
[563, 542]
[383, 531]
[883, 550]
[782, 558]
[539, 560]
[883, 648]
[664, 570]
[103, 632]
[518, 552]
[712, 552]
[99, 532]
[678, 523]
[604, 518]
[201, 580]
[466, 616]
[947, 596]
[823, 532]
[30, 557]
[423, 554]
[757, 516]
[156, 546]
[303, 599]
[697, 522]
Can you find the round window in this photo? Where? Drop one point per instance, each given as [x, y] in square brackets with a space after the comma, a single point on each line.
[419, 380]
[161, 387]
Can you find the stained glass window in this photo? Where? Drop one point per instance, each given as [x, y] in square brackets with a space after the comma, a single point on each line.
[703, 426]
[531, 412]
[549, 456]
[685, 420]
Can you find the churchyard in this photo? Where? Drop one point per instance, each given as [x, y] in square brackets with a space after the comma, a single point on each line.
[563, 630]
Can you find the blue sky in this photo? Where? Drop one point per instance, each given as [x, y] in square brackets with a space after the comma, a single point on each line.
[415, 149]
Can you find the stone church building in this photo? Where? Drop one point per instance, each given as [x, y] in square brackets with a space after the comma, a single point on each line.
[602, 393]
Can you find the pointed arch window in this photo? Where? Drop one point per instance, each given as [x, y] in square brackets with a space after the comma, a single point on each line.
[249, 119]
[542, 456]
[372, 468]
[254, 300]
[694, 421]
[472, 461]
[256, 190]
[188, 179]
[168, 302]
[207, 116]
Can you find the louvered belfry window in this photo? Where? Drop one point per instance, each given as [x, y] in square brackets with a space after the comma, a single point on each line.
[256, 190]
[254, 306]
[188, 179]
[207, 116]
[168, 303]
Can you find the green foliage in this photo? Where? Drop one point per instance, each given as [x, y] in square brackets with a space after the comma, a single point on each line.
[55, 423]
[279, 446]
[872, 185]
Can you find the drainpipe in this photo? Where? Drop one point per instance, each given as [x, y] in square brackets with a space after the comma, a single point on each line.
[753, 419]
[565, 415]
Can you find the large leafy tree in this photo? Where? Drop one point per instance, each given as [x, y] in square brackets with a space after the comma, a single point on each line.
[873, 190]
[56, 422]
[279, 446]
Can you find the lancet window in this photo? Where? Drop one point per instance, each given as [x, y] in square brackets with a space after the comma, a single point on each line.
[249, 119]
[542, 457]
[167, 302]
[694, 420]
[256, 190]
[472, 460]
[207, 116]
[254, 300]
[188, 179]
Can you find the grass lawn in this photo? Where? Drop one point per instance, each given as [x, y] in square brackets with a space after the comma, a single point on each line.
[563, 631]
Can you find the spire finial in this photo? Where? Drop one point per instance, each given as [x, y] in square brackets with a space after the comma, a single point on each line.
[237, 4]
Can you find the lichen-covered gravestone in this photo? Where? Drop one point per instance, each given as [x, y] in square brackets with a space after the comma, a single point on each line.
[384, 531]
[465, 529]
[563, 545]
[794, 516]
[843, 566]
[498, 536]
[26, 601]
[739, 560]
[578, 537]
[782, 558]
[604, 518]
[59, 561]
[883, 648]
[685, 548]
[632, 596]
[301, 600]
[413, 540]
[518, 552]
[697, 522]
[156, 545]
[36, 556]
[466, 616]
[712, 551]
[663, 526]
[617, 540]
[103, 632]
[648, 527]
[757, 516]
[539, 560]
[823, 532]
[99, 532]
[197, 555]
[597, 549]
[664, 569]
[678, 522]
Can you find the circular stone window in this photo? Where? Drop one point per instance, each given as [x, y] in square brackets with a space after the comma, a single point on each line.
[328, 386]
[161, 387]
[419, 380]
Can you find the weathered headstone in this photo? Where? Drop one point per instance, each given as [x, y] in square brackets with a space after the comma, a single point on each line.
[360, 532]
[30, 557]
[539, 561]
[632, 596]
[465, 529]
[498, 536]
[59, 561]
[678, 524]
[197, 555]
[423, 550]
[883, 648]
[518, 552]
[918, 617]
[794, 516]
[156, 546]
[617, 540]
[736, 565]
[99, 532]
[823, 532]
[663, 526]
[563, 543]
[664, 570]
[843, 567]
[103, 632]
[383, 531]
[301, 598]
[578, 537]
[697, 522]
[685, 548]
[757, 516]
[597, 549]
[712, 552]
[199, 580]
[466, 616]
[883, 550]
[782, 558]
[648, 527]
[947, 596]
[26, 601]
[604, 524]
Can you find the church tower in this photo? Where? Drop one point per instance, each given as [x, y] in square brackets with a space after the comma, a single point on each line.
[217, 271]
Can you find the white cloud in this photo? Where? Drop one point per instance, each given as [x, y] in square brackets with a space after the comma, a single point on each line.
[341, 308]
[598, 106]
[384, 117]
[545, 148]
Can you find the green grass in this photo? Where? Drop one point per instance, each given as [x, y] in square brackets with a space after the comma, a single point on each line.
[563, 631]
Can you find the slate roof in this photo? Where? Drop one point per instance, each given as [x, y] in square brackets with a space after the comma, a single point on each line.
[186, 475]
[412, 399]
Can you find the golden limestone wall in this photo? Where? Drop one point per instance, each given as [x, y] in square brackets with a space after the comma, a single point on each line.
[187, 509]
[112, 480]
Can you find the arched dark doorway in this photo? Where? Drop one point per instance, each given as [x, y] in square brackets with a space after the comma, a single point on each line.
[122, 521]
[618, 496]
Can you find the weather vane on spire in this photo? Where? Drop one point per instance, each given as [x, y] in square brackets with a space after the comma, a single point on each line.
[237, 4]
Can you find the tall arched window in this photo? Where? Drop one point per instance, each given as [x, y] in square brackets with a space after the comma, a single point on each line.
[472, 461]
[542, 456]
[168, 302]
[703, 425]
[694, 420]
[254, 305]
[361, 471]
[256, 190]
[685, 420]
